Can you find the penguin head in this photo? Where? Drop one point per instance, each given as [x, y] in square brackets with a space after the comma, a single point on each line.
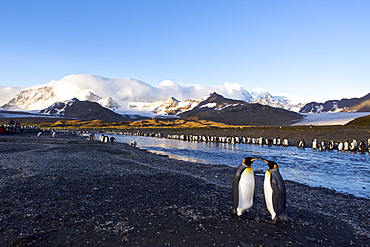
[271, 164]
[248, 161]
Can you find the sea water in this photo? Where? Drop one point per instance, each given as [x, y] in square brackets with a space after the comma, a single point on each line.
[345, 172]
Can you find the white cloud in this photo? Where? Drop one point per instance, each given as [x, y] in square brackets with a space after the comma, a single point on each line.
[124, 90]
[294, 99]
[258, 90]
[7, 93]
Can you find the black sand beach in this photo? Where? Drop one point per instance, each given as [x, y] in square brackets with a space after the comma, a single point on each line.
[68, 191]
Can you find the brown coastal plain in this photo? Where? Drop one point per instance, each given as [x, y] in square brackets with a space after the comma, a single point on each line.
[68, 191]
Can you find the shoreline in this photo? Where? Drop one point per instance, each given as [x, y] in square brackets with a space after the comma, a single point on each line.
[69, 191]
[293, 134]
[357, 190]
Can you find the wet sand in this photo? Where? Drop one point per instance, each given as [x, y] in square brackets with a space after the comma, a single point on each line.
[68, 191]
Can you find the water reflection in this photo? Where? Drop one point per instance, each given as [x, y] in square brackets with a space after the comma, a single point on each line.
[343, 171]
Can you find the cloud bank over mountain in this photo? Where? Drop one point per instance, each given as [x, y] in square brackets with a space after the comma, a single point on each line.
[7, 93]
[126, 90]
[121, 92]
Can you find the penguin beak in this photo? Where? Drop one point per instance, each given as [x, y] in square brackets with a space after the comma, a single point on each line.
[271, 165]
[255, 159]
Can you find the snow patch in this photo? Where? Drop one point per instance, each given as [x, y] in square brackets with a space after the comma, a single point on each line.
[209, 105]
[225, 106]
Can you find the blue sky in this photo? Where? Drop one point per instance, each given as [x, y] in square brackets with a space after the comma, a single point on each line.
[314, 47]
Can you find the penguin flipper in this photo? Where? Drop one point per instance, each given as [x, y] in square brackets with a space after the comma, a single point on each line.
[235, 184]
[278, 199]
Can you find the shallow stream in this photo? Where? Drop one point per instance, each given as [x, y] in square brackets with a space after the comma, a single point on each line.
[343, 171]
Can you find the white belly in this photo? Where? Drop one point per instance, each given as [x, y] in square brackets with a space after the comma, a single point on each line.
[346, 146]
[246, 191]
[268, 194]
[314, 144]
[340, 146]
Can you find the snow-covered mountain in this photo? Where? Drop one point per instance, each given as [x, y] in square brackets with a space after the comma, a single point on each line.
[237, 112]
[84, 110]
[170, 106]
[125, 94]
[344, 105]
[264, 98]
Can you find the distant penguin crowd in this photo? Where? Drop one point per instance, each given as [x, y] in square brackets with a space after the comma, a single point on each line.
[350, 145]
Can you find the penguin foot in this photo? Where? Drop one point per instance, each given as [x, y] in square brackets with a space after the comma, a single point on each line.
[241, 219]
[272, 222]
[233, 212]
[284, 218]
[287, 220]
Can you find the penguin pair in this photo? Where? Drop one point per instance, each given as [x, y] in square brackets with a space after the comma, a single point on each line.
[274, 189]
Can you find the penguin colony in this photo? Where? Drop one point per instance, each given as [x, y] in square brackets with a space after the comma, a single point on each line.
[274, 190]
[346, 145]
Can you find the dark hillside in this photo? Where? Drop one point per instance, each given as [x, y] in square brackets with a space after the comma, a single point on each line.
[84, 110]
[236, 112]
[361, 121]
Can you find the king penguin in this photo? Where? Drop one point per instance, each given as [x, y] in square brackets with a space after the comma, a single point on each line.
[275, 194]
[243, 186]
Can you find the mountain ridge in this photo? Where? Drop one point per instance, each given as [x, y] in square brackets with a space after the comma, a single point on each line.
[123, 91]
[236, 112]
[85, 110]
[344, 105]
[127, 95]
